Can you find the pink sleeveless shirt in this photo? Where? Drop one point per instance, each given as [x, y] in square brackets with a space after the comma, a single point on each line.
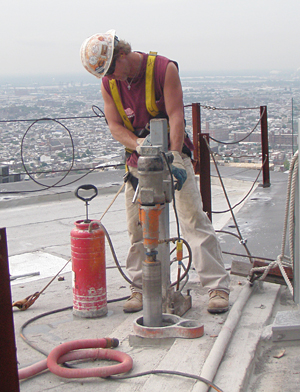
[133, 100]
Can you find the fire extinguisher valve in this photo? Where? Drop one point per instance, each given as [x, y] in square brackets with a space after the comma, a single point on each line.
[88, 197]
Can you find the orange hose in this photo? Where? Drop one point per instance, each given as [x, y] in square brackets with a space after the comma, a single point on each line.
[64, 353]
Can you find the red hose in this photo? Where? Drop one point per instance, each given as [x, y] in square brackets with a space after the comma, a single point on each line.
[62, 354]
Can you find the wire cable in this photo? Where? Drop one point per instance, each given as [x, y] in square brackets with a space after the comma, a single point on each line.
[35, 318]
[173, 194]
[22, 152]
[171, 372]
[247, 194]
[116, 378]
[244, 138]
[242, 241]
[96, 110]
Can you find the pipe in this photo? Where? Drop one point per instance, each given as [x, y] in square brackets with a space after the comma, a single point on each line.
[64, 353]
[216, 354]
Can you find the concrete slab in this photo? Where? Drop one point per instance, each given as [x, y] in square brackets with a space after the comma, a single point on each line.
[45, 264]
[43, 227]
[286, 326]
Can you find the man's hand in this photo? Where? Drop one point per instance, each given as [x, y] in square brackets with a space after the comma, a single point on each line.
[178, 170]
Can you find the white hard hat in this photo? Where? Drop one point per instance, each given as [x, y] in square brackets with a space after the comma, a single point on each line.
[96, 52]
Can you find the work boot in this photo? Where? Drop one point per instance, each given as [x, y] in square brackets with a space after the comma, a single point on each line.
[134, 303]
[218, 301]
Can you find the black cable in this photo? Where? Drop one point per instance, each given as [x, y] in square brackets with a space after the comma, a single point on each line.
[228, 109]
[112, 249]
[95, 108]
[35, 347]
[22, 157]
[174, 239]
[247, 256]
[160, 241]
[172, 372]
[245, 197]
[31, 320]
[173, 194]
[60, 186]
[186, 270]
[244, 138]
[227, 199]
[99, 166]
[61, 118]
[55, 185]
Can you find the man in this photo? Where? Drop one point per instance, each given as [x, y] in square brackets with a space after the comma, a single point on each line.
[127, 113]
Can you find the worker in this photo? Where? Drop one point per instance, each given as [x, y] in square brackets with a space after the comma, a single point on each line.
[123, 74]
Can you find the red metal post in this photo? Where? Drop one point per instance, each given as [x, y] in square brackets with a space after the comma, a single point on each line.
[205, 183]
[8, 360]
[265, 146]
[196, 117]
[201, 159]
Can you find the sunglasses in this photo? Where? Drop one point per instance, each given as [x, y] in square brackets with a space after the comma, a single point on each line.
[112, 67]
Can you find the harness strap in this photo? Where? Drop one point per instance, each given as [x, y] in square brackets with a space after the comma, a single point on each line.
[149, 95]
[117, 100]
[116, 97]
[150, 85]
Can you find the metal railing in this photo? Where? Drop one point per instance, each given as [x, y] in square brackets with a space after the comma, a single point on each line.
[202, 153]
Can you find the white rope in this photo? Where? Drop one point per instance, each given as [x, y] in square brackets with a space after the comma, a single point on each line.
[112, 202]
[282, 259]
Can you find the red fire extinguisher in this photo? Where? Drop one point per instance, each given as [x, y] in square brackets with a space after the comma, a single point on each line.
[88, 264]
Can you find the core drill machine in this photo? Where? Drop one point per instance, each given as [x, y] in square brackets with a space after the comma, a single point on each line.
[154, 194]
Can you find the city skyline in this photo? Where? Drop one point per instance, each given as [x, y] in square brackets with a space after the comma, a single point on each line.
[230, 111]
[39, 38]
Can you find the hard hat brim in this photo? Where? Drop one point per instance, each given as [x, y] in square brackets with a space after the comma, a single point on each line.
[96, 53]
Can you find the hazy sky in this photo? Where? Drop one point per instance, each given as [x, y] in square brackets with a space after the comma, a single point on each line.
[44, 36]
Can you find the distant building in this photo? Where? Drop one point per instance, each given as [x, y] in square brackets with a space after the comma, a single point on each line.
[218, 134]
[45, 158]
[55, 145]
[4, 170]
[6, 177]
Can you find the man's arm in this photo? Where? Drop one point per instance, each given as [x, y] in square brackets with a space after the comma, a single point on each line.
[115, 123]
[174, 106]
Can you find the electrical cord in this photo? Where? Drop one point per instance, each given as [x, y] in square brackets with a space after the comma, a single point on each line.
[94, 107]
[186, 269]
[116, 378]
[160, 241]
[171, 372]
[173, 193]
[31, 320]
[248, 193]
[242, 241]
[22, 152]
[56, 184]
[189, 256]
[90, 170]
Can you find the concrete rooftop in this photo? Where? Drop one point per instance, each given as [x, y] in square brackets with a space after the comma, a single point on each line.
[236, 351]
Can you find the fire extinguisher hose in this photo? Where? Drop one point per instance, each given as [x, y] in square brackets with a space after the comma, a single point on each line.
[98, 349]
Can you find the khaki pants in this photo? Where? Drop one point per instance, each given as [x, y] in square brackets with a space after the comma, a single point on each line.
[196, 229]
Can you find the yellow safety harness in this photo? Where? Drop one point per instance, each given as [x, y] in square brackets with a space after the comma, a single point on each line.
[149, 94]
[150, 85]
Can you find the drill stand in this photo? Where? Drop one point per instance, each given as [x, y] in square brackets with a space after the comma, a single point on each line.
[160, 301]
